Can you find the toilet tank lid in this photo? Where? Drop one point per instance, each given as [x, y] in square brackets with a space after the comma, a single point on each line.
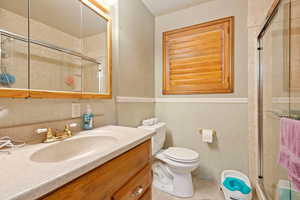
[154, 127]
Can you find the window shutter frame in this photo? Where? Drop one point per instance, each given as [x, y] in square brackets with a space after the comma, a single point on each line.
[203, 84]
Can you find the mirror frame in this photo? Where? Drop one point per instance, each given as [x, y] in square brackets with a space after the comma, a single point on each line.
[103, 12]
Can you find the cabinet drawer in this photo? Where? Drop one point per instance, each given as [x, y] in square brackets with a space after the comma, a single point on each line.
[136, 187]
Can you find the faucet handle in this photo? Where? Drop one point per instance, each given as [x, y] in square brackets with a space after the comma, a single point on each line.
[41, 130]
[67, 130]
[49, 135]
[68, 126]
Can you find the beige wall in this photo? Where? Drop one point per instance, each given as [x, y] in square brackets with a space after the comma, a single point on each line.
[229, 120]
[136, 33]
[131, 114]
[136, 68]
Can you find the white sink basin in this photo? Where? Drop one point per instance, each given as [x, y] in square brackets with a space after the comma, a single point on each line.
[73, 149]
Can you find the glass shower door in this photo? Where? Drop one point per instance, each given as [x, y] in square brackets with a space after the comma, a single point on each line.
[279, 93]
[274, 98]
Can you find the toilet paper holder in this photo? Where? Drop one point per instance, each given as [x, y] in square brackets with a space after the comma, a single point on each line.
[200, 130]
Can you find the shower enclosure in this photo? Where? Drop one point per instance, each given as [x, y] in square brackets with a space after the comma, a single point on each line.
[279, 92]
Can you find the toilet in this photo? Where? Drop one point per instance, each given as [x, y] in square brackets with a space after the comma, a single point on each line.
[173, 166]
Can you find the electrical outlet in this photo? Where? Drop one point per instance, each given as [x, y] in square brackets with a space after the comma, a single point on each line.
[76, 110]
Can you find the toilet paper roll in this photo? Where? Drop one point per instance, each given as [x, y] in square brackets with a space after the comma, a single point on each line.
[207, 135]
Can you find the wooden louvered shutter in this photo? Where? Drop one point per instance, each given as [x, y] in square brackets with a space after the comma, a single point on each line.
[199, 59]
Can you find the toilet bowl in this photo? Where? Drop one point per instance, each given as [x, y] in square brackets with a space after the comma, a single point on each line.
[173, 166]
[178, 168]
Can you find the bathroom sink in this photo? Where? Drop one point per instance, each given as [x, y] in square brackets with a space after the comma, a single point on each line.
[73, 149]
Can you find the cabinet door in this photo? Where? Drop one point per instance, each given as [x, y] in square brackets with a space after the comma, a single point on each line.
[106, 180]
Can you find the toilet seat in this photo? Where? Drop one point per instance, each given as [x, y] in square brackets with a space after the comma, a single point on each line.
[182, 155]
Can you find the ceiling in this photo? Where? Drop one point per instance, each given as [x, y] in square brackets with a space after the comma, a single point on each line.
[161, 7]
[63, 15]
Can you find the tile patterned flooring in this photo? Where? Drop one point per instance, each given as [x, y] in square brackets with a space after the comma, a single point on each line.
[204, 190]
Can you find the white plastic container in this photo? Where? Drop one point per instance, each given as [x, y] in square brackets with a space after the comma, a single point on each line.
[230, 195]
[285, 191]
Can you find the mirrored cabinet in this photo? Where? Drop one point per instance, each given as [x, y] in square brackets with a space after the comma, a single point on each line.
[58, 49]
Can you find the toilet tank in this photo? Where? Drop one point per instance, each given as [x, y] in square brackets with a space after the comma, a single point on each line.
[159, 138]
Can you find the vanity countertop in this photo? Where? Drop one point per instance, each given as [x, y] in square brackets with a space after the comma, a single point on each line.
[23, 179]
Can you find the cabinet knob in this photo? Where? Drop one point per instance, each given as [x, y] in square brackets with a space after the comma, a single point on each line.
[138, 191]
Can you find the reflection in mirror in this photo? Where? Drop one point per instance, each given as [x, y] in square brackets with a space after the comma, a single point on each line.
[68, 49]
[94, 44]
[53, 70]
[56, 33]
[14, 45]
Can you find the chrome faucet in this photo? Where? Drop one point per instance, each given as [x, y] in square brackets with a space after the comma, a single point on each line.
[52, 136]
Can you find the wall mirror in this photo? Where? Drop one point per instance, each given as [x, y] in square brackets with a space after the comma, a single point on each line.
[62, 49]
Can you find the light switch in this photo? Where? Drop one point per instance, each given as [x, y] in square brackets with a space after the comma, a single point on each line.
[76, 111]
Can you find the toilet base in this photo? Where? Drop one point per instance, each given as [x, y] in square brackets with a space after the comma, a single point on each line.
[176, 184]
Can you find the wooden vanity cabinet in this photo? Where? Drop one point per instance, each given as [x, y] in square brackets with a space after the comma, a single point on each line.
[126, 177]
